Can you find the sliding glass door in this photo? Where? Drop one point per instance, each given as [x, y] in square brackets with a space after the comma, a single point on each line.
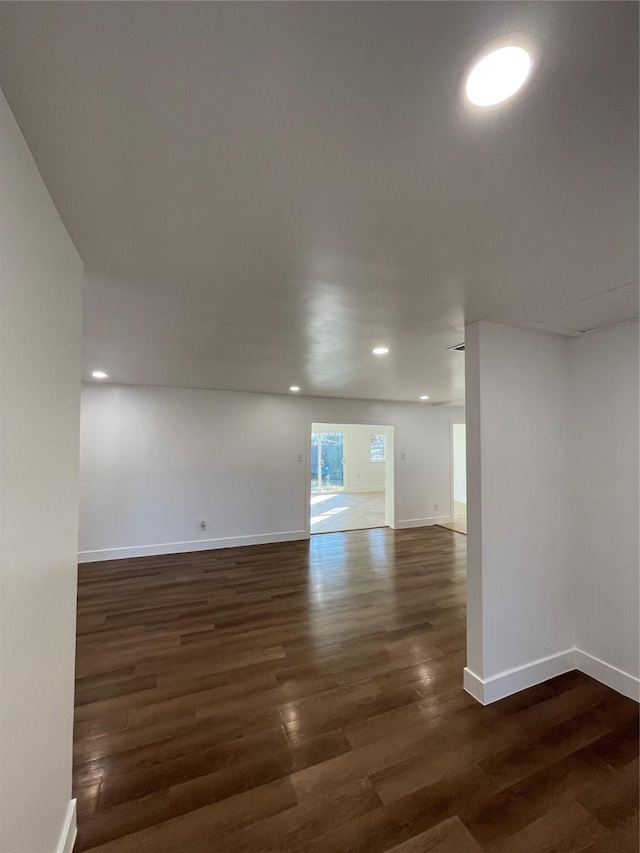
[327, 462]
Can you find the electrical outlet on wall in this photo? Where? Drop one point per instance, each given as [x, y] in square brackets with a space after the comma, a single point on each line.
[203, 525]
[435, 507]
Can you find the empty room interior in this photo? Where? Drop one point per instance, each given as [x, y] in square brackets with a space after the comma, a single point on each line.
[319, 427]
[348, 469]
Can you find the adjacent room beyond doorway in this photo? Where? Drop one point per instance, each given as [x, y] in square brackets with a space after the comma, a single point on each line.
[348, 467]
[459, 478]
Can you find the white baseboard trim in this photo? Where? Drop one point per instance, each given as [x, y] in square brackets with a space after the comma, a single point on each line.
[423, 522]
[192, 545]
[354, 490]
[473, 684]
[511, 681]
[617, 679]
[69, 830]
[503, 684]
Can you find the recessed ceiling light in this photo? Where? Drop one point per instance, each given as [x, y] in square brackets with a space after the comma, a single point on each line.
[498, 75]
[424, 397]
[99, 374]
[380, 350]
[294, 388]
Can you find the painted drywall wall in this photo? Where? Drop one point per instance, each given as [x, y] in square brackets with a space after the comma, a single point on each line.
[552, 462]
[360, 473]
[40, 329]
[473, 424]
[603, 441]
[363, 475]
[459, 449]
[157, 461]
[517, 497]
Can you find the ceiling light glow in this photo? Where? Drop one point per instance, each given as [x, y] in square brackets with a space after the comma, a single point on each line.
[498, 76]
[99, 374]
[424, 397]
[294, 388]
[380, 350]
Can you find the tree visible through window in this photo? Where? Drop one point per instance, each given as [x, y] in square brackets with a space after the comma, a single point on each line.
[378, 448]
[327, 462]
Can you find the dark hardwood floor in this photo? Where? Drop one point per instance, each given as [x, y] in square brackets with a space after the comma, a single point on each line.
[309, 697]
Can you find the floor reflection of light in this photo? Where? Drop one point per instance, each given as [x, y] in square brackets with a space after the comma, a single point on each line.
[327, 514]
[426, 673]
[316, 499]
[289, 716]
[288, 712]
[325, 581]
[330, 571]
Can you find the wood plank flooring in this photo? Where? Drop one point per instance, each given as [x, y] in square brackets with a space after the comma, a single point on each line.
[308, 697]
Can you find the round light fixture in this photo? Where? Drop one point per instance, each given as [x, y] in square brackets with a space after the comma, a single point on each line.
[380, 350]
[424, 397]
[498, 76]
[294, 388]
[99, 374]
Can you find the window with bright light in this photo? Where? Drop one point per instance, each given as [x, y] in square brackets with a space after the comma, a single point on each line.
[378, 448]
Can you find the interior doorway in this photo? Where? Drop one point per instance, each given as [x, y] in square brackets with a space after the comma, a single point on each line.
[350, 476]
[458, 477]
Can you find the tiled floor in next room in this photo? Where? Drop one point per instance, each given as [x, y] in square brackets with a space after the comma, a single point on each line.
[333, 512]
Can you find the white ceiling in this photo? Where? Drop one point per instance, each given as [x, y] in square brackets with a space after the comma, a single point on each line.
[262, 192]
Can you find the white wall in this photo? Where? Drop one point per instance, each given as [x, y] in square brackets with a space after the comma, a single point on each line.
[517, 468]
[363, 475]
[40, 328]
[459, 451]
[604, 494]
[552, 459]
[155, 461]
[360, 473]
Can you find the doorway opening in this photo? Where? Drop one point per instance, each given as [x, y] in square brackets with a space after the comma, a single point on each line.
[458, 477]
[351, 477]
